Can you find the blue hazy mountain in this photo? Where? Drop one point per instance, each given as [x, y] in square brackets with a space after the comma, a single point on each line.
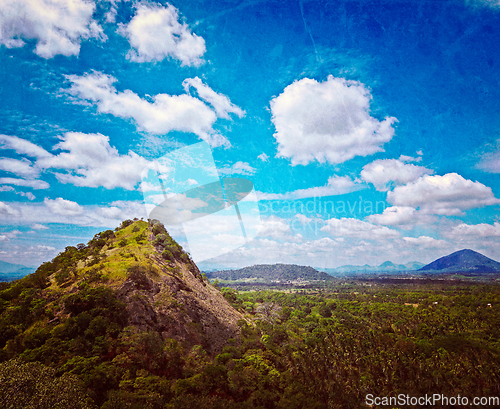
[9, 271]
[387, 266]
[463, 261]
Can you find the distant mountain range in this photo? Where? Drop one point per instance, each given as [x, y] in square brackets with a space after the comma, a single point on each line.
[9, 271]
[463, 261]
[387, 266]
[268, 273]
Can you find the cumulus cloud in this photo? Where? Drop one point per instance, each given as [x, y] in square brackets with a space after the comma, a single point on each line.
[58, 26]
[68, 212]
[21, 167]
[337, 185]
[426, 242]
[475, 230]
[275, 227]
[347, 227]
[29, 195]
[381, 172]
[395, 215]
[302, 218]
[111, 212]
[63, 207]
[22, 146]
[400, 216]
[88, 159]
[220, 103]
[156, 33]
[240, 168]
[8, 210]
[166, 113]
[35, 183]
[327, 122]
[449, 194]
[92, 162]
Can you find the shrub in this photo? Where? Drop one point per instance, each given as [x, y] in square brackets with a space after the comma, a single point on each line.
[167, 255]
[124, 224]
[158, 228]
[139, 275]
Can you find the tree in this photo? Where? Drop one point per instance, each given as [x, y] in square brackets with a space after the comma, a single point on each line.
[36, 386]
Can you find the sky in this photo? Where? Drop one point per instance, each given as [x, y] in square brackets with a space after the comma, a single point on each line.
[369, 129]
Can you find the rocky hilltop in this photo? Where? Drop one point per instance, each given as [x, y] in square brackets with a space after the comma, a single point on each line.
[158, 285]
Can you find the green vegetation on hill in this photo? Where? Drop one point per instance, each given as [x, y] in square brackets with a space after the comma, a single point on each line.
[127, 321]
[268, 273]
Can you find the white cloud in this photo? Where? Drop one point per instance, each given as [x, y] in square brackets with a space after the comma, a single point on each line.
[241, 168]
[381, 172]
[426, 242]
[23, 167]
[263, 157]
[337, 185]
[220, 103]
[111, 212]
[35, 184]
[63, 211]
[155, 33]
[464, 230]
[63, 207]
[347, 227]
[327, 121]
[449, 194]
[22, 146]
[43, 248]
[274, 227]
[58, 26]
[405, 158]
[38, 226]
[92, 162]
[29, 195]
[8, 210]
[166, 113]
[400, 216]
[303, 219]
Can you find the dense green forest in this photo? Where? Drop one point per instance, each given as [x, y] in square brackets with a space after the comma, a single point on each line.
[323, 348]
[268, 273]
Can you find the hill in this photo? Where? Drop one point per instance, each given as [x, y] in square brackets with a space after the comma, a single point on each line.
[463, 261]
[9, 271]
[271, 273]
[138, 267]
[385, 267]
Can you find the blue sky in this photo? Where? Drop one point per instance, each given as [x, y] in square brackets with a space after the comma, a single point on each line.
[370, 130]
